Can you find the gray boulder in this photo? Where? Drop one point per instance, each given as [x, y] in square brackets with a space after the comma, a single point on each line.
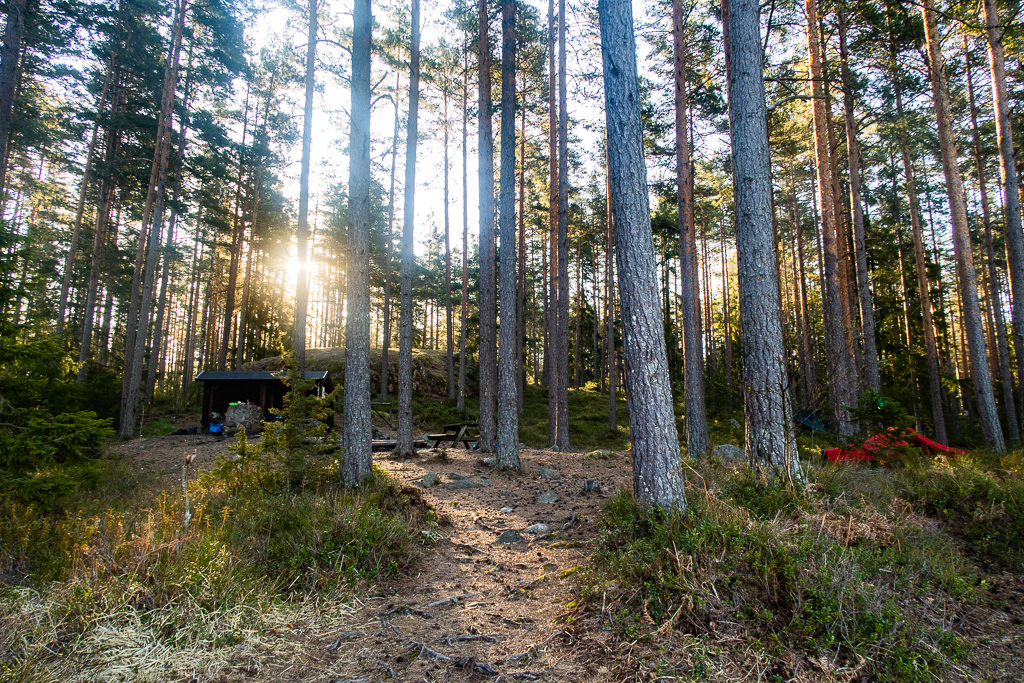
[244, 415]
[730, 454]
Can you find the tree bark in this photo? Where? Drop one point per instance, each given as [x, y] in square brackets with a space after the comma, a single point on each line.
[302, 231]
[998, 325]
[551, 283]
[1008, 175]
[488, 313]
[561, 351]
[842, 380]
[357, 464]
[770, 442]
[867, 311]
[139, 324]
[461, 405]
[449, 331]
[973, 333]
[694, 408]
[508, 403]
[657, 479]
[385, 361]
[609, 284]
[405, 446]
[10, 69]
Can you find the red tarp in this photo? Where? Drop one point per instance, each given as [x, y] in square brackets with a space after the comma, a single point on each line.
[881, 441]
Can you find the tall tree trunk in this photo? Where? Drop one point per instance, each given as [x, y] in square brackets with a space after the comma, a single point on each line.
[551, 291]
[461, 406]
[561, 352]
[508, 404]
[1008, 174]
[449, 331]
[770, 442]
[921, 269]
[10, 70]
[488, 313]
[842, 380]
[405, 446]
[867, 311]
[995, 294]
[357, 464]
[697, 441]
[139, 324]
[961, 238]
[657, 479]
[521, 286]
[609, 293]
[69, 260]
[302, 231]
[385, 361]
[726, 320]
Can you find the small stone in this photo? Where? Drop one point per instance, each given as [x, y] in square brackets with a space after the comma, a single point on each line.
[462, 484]
[505, 510]
[728, 453]
[548, 497]
[489, 461]
[509, 537]
[455, 476]
[536, 529]
[735, 425]
[599, 455]
[549, 474]
[427, 480]
[557, 466]
[591, 486]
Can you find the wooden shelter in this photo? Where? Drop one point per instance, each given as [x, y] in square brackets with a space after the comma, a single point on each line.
[221, 388]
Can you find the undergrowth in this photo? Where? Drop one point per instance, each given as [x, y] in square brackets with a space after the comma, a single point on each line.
[267, 530]
[859, 583]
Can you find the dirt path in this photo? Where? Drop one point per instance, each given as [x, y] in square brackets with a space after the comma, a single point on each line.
[488, 597]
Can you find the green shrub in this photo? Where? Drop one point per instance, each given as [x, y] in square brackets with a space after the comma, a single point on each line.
[785, 570]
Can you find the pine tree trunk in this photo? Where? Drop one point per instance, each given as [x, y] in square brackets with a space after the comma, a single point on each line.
[551, 291]
[488, 313]
[385, 360]
[461, 406]
[657, 479]
[1008, 175]
[357, 464]
[449, 331]
[770, 441]
[694, 408]
[961, 239]
[508, 404]
[302, 231]
[69, 260]
[995, 309]
[405, 446]
[10, 70]
[139, 324]
[842, 380]
[727, 321]
[561, 351]
[867, 311]
[521, 286]
[609, 293]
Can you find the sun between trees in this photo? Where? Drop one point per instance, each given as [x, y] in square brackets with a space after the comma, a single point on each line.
[144, 156]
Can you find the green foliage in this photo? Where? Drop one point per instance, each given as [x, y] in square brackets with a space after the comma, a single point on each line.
[877, 413]
[791, 571]
[158, 427]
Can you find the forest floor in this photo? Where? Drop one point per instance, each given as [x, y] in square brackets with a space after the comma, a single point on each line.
[492, 596]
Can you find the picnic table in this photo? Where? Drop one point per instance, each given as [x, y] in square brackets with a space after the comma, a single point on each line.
[456, 433]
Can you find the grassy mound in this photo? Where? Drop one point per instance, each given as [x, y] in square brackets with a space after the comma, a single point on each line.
[863, 573]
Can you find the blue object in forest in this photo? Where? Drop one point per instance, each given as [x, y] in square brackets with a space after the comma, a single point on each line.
[216, 428]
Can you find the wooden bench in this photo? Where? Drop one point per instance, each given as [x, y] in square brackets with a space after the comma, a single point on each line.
[456, 433]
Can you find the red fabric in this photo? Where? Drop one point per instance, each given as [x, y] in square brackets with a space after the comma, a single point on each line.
[908, 438]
